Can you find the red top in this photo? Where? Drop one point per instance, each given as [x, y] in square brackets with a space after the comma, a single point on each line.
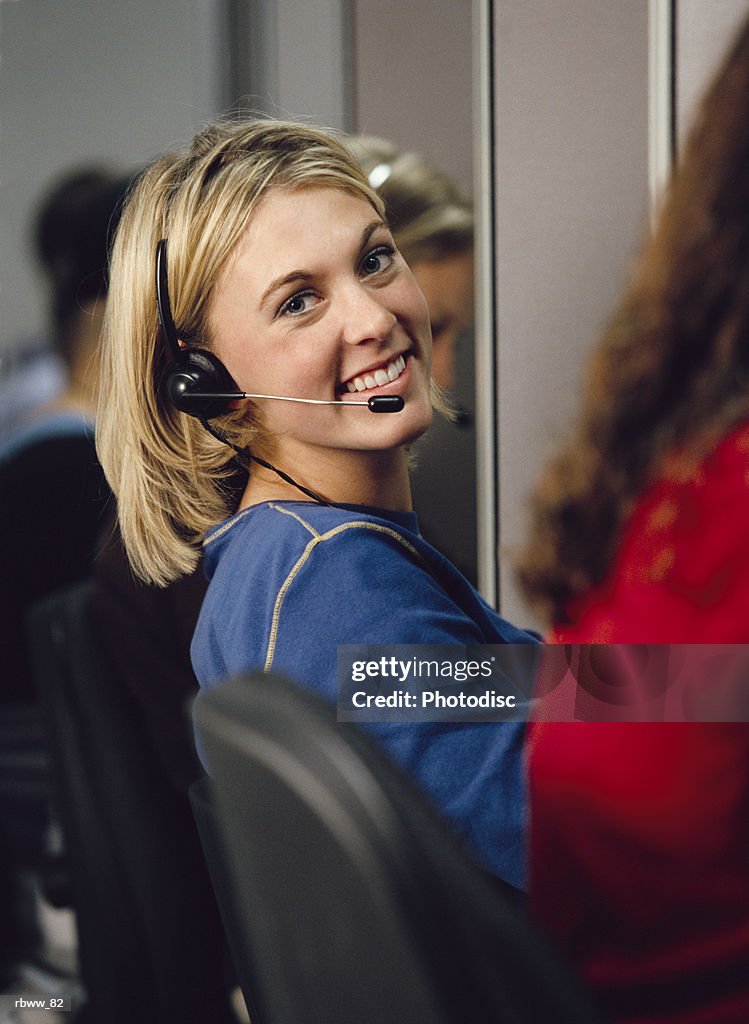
[640, 832]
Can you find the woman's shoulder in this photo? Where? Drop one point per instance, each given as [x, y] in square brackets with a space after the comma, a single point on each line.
[271, 537]
[680, 571]
[729, 463]
[725, 461]
[305, 521]
[695, 495]
[346, 570]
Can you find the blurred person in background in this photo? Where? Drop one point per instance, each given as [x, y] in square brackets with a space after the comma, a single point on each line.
[640, 831]
[52, 490]
[52, 496]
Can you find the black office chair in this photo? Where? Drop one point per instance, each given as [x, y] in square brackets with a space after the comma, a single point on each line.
[210, 829]
[24, 832]
[354, 902]
[151, 946]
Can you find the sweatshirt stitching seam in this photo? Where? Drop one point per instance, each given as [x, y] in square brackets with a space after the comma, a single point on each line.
[288, 512]
[227, 526]
[273, 635]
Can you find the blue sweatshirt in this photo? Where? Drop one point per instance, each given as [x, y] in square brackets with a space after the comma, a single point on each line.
[291, 580]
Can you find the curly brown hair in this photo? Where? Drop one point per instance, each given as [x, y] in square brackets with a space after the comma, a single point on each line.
[671, 370]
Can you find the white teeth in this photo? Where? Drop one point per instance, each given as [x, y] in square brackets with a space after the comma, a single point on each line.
[380, 376]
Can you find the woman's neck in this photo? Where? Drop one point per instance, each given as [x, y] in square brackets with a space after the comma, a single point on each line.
[376, 479]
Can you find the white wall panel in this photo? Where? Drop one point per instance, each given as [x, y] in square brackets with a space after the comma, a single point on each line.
[571, 198]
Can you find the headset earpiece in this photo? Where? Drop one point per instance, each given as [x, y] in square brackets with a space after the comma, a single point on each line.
[197, 382]
[191, 384]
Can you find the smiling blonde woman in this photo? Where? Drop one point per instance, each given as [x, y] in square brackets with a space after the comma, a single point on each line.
[287, 314]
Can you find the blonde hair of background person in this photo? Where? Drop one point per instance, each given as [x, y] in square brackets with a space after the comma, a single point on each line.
[432, 223]
[169, 474]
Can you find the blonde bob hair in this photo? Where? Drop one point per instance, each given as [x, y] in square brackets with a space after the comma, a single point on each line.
[170, 476]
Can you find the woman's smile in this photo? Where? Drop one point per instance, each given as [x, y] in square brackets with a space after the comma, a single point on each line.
[376, 377]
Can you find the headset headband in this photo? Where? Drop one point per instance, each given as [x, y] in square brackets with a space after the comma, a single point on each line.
[166, 320]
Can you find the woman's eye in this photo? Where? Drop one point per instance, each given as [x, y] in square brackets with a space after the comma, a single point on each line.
[299, 303]
[377, 260]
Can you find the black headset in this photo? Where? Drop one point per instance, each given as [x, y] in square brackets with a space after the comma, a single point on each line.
[196, 382]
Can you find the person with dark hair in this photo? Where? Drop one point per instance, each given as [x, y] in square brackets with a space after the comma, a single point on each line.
[68, 243]
[73, 230]
[52, 496]
[52, 490]
[639, 831]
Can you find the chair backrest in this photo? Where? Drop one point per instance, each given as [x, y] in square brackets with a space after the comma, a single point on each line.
[150, 941]
[210, 829]
[355, 901]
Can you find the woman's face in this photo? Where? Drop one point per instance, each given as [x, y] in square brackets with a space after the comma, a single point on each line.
[316, 302]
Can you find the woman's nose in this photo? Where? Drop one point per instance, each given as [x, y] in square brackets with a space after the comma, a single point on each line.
[366, 317]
